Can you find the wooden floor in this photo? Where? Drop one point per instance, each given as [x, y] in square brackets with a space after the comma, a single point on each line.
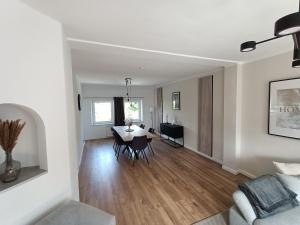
[178, 187]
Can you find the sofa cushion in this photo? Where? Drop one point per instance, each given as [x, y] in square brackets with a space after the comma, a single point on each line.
[291, 182]
[290, 217]
[244, 206]
[288, 168]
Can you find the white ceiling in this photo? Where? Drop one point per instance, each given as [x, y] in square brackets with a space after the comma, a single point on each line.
[108, 65]
[208, 32]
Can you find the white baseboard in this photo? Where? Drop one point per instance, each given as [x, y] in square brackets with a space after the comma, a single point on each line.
[247, 174]
[81, 154]
[205, 156]
[230, 170]
[239, 171]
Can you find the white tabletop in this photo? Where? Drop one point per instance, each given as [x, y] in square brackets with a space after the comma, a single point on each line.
[128, 136]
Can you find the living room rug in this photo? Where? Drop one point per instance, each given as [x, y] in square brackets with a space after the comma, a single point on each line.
[218, 219]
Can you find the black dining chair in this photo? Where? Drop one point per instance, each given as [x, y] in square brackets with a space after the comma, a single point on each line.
[117, 144]
[152, 131]
[142, 126]
[138, 145]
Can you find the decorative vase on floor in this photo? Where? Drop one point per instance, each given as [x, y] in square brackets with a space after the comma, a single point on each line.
[9, 169]
[9, 133]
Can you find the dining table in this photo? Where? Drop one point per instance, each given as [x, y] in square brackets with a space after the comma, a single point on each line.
[127, 134]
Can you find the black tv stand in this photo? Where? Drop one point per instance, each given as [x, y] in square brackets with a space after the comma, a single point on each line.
[172, 131]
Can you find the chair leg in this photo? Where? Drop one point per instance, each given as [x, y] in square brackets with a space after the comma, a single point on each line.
[129, 152]
[133, 159]
[118, 153]
[151, 149]
[116, 149]
[145, 156]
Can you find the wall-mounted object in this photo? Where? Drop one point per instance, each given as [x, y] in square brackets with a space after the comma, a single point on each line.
[176, 100]
[205, 115]
[159, 108]
[287, 25]
[79, 102]
[284, 108]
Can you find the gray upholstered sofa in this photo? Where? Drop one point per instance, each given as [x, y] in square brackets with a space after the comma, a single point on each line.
[290, 217]
[76, 213]
[244, 215]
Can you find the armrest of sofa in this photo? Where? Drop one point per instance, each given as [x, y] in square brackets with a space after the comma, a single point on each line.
[242, 203]
[236, 218]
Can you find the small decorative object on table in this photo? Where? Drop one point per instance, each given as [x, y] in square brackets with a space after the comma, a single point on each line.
[128, 122]
[9, 133]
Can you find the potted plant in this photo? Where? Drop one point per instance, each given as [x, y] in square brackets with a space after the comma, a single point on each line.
[9, 133]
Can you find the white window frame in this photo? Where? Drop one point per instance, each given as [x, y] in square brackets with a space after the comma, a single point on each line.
[102, 100]
[141, 112]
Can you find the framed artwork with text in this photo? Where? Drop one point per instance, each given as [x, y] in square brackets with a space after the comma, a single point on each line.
[284, 108]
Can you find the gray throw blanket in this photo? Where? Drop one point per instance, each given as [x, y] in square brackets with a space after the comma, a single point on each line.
[268, 196]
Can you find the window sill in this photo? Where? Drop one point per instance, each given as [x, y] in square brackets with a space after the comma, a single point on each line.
[138, 121]
[102, 124]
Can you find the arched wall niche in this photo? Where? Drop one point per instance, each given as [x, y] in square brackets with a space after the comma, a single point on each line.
[31, 146]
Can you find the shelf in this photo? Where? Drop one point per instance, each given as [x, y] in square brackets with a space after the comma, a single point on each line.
[26, 173]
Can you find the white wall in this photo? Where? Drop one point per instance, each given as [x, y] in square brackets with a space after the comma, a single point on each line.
[79, 123]
[258, 149]
[90, 91]
[218, 115]
[188, 115]
[73, 124]
[33, 75]
[232, 118]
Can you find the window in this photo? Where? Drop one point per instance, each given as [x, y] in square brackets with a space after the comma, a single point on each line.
[133, 109]
[102, 111]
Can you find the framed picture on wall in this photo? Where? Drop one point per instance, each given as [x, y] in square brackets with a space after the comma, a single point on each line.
[284, 108]
[176, 100]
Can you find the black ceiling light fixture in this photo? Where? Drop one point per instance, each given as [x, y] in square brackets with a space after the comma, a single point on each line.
[296, 63]
[128, 84]
[287, 25]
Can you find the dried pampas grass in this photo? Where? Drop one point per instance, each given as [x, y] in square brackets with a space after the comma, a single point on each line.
[9, 133]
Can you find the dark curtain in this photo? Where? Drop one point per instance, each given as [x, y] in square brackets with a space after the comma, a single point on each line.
[119, 111]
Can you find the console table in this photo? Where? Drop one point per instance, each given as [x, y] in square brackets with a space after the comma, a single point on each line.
[172, 131]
